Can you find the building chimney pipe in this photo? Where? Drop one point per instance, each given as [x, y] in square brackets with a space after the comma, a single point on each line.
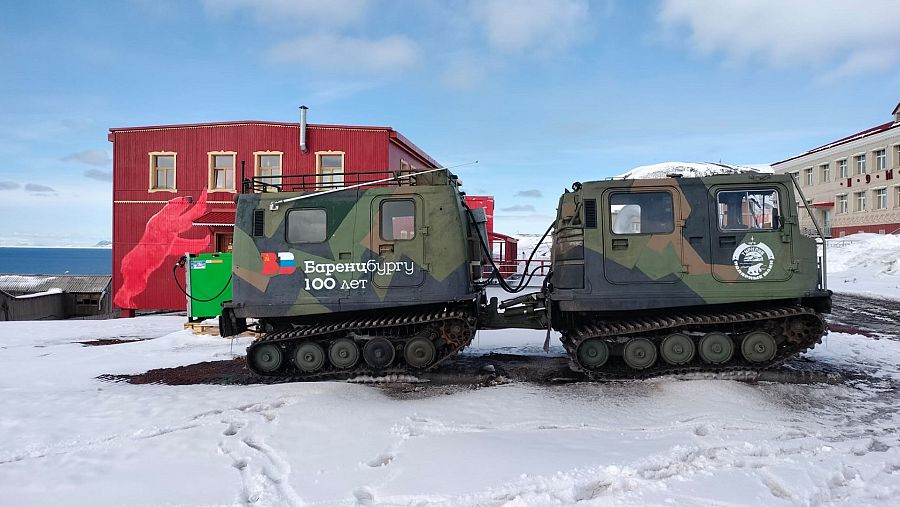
[303, 147]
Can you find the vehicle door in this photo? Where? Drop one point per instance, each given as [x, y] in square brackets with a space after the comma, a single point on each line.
[749, 239]
[643, 237]
[398, 240]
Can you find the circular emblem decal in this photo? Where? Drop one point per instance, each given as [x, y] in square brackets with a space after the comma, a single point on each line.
[753, 260]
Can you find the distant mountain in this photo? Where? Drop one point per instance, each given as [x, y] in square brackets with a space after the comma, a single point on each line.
[103, 243]
[690, 170]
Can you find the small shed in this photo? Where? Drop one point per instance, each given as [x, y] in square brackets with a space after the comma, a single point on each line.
[38, 297]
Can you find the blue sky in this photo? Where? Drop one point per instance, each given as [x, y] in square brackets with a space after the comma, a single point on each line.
[541, 92]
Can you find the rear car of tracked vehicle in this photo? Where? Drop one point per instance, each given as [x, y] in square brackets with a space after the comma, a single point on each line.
[349, 278]
[684, 275]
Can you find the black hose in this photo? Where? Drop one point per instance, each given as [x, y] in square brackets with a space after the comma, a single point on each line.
[175, 276]
[523, 282]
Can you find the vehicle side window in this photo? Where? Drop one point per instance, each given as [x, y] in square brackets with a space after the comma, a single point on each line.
[306, 226]
[641, 213]
[748, 209]
[398, 220]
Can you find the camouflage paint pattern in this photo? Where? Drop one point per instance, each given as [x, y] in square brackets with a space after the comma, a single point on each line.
[355, 268]
[692, 261]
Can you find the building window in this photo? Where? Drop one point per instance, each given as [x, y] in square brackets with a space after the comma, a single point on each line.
[796, 176]
[398, 220]
[860, 201]
[880, 160]
[307, 226]
[330, 169]
[825, 171]
[162, 172]
[642, 213]
[842, 203]
[808, 173]
[897, 155]
[405, 171]
[221, 171]
[268, 168]
[897, 196]
[880, 198]
[860, 163]
[842, 168]
[739, 210]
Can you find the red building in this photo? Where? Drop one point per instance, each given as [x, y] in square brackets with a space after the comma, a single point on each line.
[174, 188]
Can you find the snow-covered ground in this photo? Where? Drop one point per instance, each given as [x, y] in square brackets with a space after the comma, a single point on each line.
[71, 439]
[865, 264]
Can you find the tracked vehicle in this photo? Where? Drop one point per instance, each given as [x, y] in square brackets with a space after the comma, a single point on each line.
[351, 277]
[679, 275]
[649, 277]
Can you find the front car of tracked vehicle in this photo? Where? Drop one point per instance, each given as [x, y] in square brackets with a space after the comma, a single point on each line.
[301, 257]
[679, 275]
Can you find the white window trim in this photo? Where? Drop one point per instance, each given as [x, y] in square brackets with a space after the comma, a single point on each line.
[837, 167]
[152, 187]
[210, 176]
[896, 193]
[838, 200]
[887, 198]
[256, 157]
[887, 159]
[319, 164]
[856, 196]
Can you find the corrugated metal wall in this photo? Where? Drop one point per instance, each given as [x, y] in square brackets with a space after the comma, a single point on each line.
[151, 230]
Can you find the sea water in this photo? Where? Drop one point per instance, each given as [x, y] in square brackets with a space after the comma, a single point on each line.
[56, 261]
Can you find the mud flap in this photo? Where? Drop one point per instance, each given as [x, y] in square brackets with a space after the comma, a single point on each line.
[229, 325]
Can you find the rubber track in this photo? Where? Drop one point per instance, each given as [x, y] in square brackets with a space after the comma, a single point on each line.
[737, 367]
[376, 326]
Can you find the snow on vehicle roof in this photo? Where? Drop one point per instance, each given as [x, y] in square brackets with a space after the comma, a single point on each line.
[690, 170]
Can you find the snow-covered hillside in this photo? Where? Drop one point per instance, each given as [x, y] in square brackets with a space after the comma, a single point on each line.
[690, 170]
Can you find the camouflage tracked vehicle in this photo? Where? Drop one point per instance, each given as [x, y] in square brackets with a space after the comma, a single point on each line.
[371, 277]
[680, 275]
[648, 277]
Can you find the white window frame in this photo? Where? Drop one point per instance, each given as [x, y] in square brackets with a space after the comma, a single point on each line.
[257, 158]
[859, 200]
[808, 176]
[321, 175]
[883, 159]
[897, 196]
[860, 167]
[211, 172]
[877, 201]
[153, 155]
[896, 152]
[843, 205]
[843, 168]
[825, 172]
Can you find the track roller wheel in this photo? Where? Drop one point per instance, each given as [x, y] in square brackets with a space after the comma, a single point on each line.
[716, 348]
[343, 353]
[267, 357]
[759, 347]
[593, 353]
[639, 353]
[419, 352]
[378, 353]
[309, 357]
[677, 349]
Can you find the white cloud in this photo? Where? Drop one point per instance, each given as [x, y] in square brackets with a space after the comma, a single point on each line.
[852, 36]
[304, 12]
[348, 54]
[91, 157]
[540, 26]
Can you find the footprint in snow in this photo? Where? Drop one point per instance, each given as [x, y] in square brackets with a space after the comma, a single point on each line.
[382, 460]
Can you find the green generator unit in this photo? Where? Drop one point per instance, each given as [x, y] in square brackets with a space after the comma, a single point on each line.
[208, 283]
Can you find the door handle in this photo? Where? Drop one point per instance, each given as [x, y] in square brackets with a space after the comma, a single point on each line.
[619, 243]
[385, 249]
[727, 241]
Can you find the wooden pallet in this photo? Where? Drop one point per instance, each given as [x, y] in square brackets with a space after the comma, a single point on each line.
[209, 329]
